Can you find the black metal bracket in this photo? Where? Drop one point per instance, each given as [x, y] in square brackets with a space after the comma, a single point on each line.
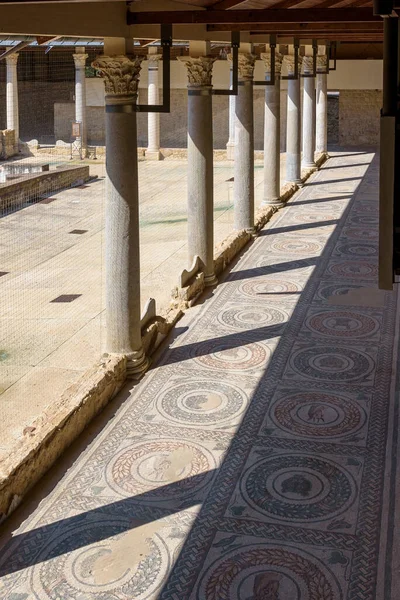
[235, 43]
[332, 56]
[166, 43]
[271, 80]
[296, 44]
[315, 52]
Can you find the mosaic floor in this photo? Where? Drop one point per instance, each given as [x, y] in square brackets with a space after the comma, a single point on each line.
[250, 464]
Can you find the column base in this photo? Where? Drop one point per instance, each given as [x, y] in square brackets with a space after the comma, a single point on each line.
[230, 151]
[310, 165]
[137, 364]
[277, 202]
[153, 155]
[210, 280]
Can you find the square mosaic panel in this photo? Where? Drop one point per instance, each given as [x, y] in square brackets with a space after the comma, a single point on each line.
[309, 490]
[332, 416]
[332, 363]
[246, 567]
[352, 325]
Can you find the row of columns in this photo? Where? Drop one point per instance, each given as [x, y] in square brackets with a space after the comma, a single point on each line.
[121, 77]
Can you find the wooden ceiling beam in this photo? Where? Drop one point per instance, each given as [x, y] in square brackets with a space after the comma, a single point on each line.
[294, 15]
[225, 4]
[302, 27]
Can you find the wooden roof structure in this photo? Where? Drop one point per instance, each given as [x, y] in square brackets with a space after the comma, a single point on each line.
[338, 20]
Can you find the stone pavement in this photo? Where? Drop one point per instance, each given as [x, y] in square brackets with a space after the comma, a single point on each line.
[251, 462]
[55, 248]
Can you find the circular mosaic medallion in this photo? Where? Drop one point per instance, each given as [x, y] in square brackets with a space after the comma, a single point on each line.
[343, 324]
[223, 357]
[149, 467]
[251, 317]
[332, 364]
[298, 488]
[356, 249]
[269, 287]
[364, 219]
[115, 559]
[268, 572]
[358, 233]
[318, 415]
[202, 403]
[296, 246]
[354, 269]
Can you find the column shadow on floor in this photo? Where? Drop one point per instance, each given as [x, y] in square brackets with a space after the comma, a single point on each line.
[27, 549]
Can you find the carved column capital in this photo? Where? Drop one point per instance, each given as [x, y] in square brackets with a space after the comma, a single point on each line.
[12, 59]
[266, 58]
[289, 61]
[120, 74]
[246, 65]
[154, 59]
[308, 64]
[80, 60]
[322, 63]
[199, 70]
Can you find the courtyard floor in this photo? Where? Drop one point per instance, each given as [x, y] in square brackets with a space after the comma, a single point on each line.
[55, 248]
[257, 459]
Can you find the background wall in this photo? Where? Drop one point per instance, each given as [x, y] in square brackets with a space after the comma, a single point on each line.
[47, 105]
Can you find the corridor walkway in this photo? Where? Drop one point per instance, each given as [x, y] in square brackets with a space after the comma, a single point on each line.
[250, 462]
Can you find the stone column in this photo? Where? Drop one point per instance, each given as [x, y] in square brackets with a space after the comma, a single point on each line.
[121, 78]
[272, 132]
[308, 161]
[321, 135]
[153, 119]
[243, 188]
[230, 152]
[12, 96]
[293, 133]
[200, 164]
[80, 98]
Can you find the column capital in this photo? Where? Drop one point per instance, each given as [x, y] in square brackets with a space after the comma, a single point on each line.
[308, 64]
[80, 60]
[266, 58]
[289, 61]
[154, 58]
[246, 65]
[12, 59]
[322, 63]
[120, 74]
[199, 70]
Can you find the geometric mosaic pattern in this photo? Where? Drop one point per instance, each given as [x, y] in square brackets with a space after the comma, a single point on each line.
[250, 462]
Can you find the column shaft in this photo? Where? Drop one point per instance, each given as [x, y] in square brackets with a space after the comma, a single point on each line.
[321, 135]
[12, 96]
[153, 123]
[200, 165]
[230, 153]
[121, 77]
[308, 115]
[272, 129]
[243, 189]
[293, 132]
[80, 99]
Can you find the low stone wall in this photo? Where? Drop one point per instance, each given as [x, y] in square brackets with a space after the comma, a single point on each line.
[16, 193]
[48, 436]
[8, 144]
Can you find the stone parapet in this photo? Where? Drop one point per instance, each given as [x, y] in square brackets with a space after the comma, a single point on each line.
[31, 187]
